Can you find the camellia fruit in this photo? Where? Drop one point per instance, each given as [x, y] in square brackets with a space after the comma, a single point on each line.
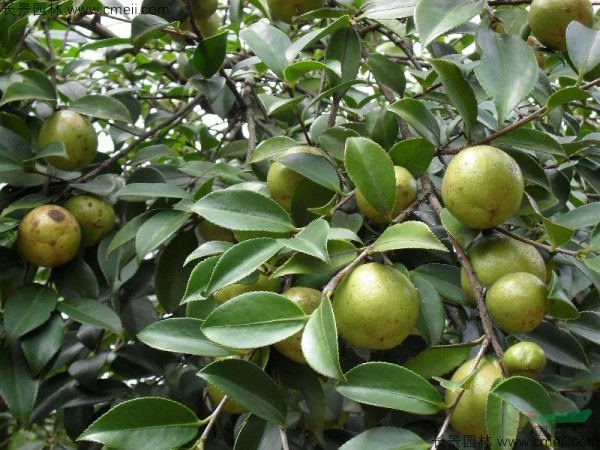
[496, 255]
[468, 417]
[48, 236]
[95, 217]
[406, 193]
[483, 187]
[263, 283]
[526, 359]
[549, 19]
[77, 135]
[283, 181]
[286, 10]
[230, 407]
[375, 307]
[308, 299]
[211, 232]
[517, 302]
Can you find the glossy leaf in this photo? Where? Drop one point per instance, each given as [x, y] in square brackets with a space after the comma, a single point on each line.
[158, 229]
[102, 107]
[386, 438]
[406, 235]
[419, 117]
[587, 326]
[254, 319]
[389, 9]
[311, 241]
[583, 46]
[437, 361]
[344, 46]
[17, 386]
[501, 422]
[27, 308]
[414, 154]
[140, 192]
[258, 434]
[390, 386]
[313, 167]
[144, 423]
[269, 44]
[463, 234]
[91, 312]
[210, 54]
[42, 344]
[436, 17]
[199, 279]
[387, 72]
[432, 317]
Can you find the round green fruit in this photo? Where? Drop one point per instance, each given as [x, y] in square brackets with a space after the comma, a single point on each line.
[209, 26]
[526, 359]
[264, 283]
[230, 407]
[95, 217]
[406, 193]
[308, 299]
[283, 181]
[469, 415]
[211, 232]
[483, 187]
[48, 236]
[549, 19]
[286, 10]
[517, 302]
[497, 255]
[77, 135]
[375, 307]
[204, 8]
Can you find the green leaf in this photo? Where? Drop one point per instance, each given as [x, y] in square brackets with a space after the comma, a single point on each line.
[314, 36]
[243, 210]
[583, 46]
[17, 387]
[503, 56]
[463, 234]
[240, 261]
[582, 217]
[209, 248]
[437, 361]
[418, 116]
[446, 280]
[128, 231]
[269, 44]
[258, 434]
[414, 154]
[294, 72]
[31, 85]
[566, 95]
[315, 168]
[270, 148]
[254, 319]
[145, 27]
[457, 87]
[55, 148]
[181, 335]
[389, 9]
[344, 46]
[102, 107]
[158, 229]
[340, 253]
[311, 241]
[144, 423]
[387, 72]
[199, 279]
[320, 344]
[530, 139]
[411, 234]
[501, 422]
[386, 438]
[42, 344]
[432, 317]
[91, 312]
[559, 345]
[210, 54]
[528, 397]
[372, 171]
[390, 386]
[586, 326]
[141, 192]
[249, 386]
[436, 17]
[28, 307]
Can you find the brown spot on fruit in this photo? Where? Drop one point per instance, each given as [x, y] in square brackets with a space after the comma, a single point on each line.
[56, 215]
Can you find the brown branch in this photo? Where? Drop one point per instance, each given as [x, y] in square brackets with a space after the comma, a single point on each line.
[548, 248]
[213, 420]
[249, 120]
[192, 19]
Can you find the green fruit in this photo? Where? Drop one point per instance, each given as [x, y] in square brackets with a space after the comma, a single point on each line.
[526, 359]
[308, 299]
[549, 19]
[48, 236]
[77, 135]
[230, 407]
[469, 415]
[497, 255]
[264, 283]
[483, 187]
[286, 10]
[283, 181]
[209, 26]
[517, 302]
[211, 232]
[375, 307]
[406, 193]
[204, 8]
[95, 217]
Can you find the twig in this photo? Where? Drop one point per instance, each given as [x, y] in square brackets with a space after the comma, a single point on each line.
[213, 419]
[284, 440]
[440, 436]
[343, 201]
[192, 19]
[250, 121]
[548, 248]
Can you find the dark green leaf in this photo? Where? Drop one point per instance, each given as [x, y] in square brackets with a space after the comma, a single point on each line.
[313, 167]
[530, 139]
[294, 72]
[411, 234]
[311, 241]
[501, 422]
[269, 44]
[413, 154]
[389, 9]
[436, 17]
[17, 387]
[42, 344]
[27, 308]
[418, 116]
[145, 27]
[385, 438]
[91, 312]
[198, 281]
[158, 229]
[387, 72]
[446, 279]
[463, 234]
[31, 85]
[583, 45]
[141, 192]
[258, 434]
[587, 326]
[344, 46]
[432, 317]
[437, 361]
[578, 218]
[566, 95]
[102, 107]
[271, 147]
[210, 54]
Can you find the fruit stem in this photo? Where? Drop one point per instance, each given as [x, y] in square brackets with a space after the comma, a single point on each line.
[212, 419]
[548, 248]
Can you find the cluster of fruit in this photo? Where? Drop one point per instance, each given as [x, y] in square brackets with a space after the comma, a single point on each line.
[51, 235]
